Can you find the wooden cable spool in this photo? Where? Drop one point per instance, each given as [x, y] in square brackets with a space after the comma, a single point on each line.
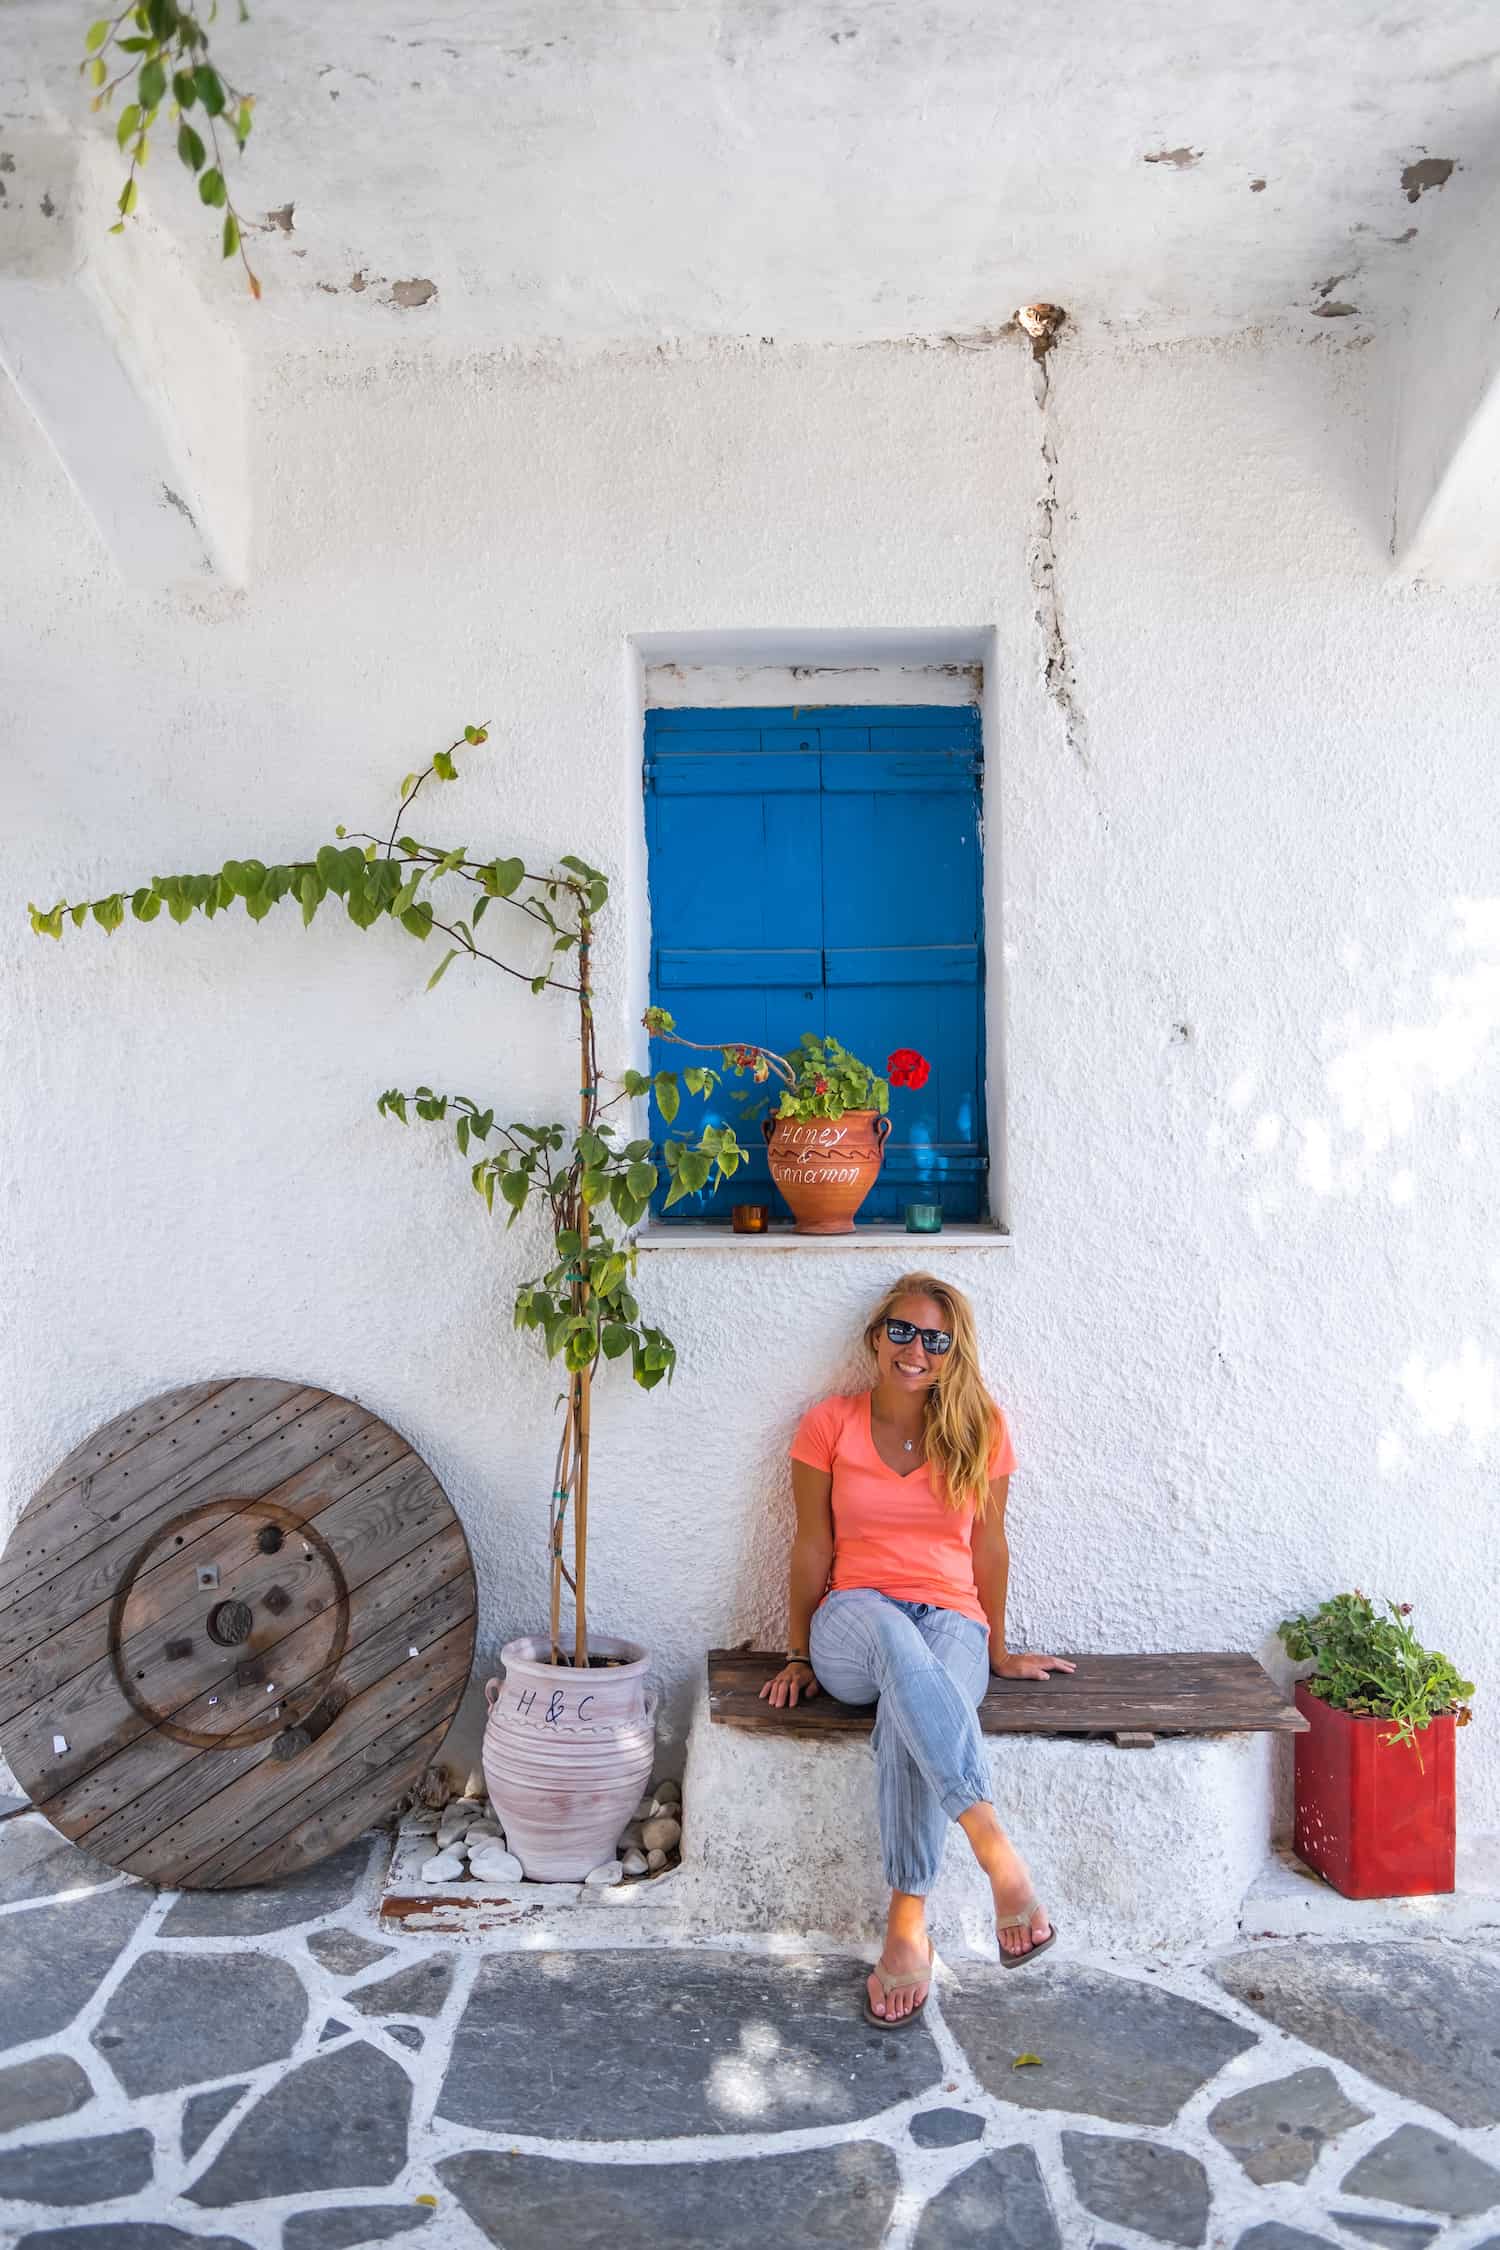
[236, 1623]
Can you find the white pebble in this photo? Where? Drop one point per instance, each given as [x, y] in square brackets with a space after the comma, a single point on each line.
[634, 1863]
[443, 1867]
[661, 1835]
[655, 1860]
[669, 1792]
[474, 1786]
[489, 1864]
[484, 1831]
[609, 1872]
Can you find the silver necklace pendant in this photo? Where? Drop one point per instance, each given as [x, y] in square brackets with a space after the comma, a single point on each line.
[908, 1445]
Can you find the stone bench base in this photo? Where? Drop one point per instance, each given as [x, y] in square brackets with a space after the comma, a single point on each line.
[1129, 1851]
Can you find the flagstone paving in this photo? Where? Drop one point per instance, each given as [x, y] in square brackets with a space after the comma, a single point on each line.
[269, 2071]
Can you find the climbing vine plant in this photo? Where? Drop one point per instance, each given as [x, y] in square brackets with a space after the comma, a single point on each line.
[592, 1179]
[157, 55]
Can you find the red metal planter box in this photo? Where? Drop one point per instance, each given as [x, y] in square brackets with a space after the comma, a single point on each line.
[1374, 1817]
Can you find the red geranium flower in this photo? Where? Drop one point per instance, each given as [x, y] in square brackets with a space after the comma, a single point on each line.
[907, 1068]
[820, 1085]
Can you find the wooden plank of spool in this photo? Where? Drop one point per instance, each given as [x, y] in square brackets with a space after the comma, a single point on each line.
[237, 1622]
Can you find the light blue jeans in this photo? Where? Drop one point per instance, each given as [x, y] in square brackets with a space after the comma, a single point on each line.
[926, 1670]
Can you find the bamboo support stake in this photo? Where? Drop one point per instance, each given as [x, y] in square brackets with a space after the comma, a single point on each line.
[588, 1102]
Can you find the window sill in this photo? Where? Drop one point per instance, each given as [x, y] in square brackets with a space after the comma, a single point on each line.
[965, 1234]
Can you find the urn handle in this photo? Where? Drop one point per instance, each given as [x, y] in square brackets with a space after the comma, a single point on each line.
[882, 1132]
[768, 1127]
[491, 1691]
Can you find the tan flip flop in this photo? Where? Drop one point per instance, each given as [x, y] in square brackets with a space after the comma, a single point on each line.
[1022, 1921]
[890, 1984]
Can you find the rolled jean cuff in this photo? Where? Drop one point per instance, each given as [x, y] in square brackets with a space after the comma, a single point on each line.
[971, 1790]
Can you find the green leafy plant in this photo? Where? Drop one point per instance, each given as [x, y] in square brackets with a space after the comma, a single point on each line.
[1375, 1666]
[163, 64]
[819, 1078]
[593, 1179]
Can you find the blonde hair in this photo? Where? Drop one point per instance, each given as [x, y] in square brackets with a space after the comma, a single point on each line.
[959, 1430]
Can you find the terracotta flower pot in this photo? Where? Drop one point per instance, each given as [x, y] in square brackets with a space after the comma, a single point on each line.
[567, 1754]
[1374, 1817]
[825, 1167]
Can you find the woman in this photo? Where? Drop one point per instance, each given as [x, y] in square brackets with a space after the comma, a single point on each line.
[898, 1577]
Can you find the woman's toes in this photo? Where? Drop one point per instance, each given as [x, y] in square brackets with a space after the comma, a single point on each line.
[878, 2000]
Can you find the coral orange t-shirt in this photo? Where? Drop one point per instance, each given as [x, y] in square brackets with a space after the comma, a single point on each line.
[893, 1533]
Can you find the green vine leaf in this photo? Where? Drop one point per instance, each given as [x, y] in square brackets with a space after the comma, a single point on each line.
[441, 969]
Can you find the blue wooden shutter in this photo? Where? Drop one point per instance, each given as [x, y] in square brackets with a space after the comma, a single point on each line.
[824, 874]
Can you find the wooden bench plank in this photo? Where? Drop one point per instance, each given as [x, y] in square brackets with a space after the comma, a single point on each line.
[1176, 1692]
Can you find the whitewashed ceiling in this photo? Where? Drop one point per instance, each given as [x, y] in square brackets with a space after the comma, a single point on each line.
[523, 170]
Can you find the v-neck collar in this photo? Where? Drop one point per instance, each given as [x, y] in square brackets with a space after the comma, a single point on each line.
[880, 1461]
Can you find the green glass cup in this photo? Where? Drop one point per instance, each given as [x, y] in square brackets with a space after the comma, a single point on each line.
[924, 1218]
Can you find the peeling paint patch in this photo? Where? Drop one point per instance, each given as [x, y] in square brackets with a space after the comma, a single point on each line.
[7, 161]
[408, 294]
[175, 500]
[47, 207]
[1180, 159]
[359, 282]
[1257, 187]
[1396, 240]
[281, 218]
[1431, 172]
[1335, 310]
[1326, 288]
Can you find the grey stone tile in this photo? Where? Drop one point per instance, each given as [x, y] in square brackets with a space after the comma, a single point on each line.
[202, 2113]
[92, 2171]
[837, 2196]
[127, 2234]
[1272, 2235]
[275, 1906]
[179, 2017]
[1390, 2234]
[697, 2042]
[1141, 2184]
[1109, 2047]
[35, 1862]
[48, 2086]
[336, 2121]
[333, 2029]
[53, 1958]
[417, 1990]
[344, 1952]
[1416, 2166]
[340, 2230]
[1277, 2131]
[1416, 2016]
[997, 2204]
[407, 2034]
[944, 2128]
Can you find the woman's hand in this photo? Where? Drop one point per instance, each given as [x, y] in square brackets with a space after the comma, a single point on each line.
[785, 1686]
[1027, 1665]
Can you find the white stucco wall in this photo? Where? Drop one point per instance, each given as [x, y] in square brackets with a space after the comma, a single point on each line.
[1251, 937]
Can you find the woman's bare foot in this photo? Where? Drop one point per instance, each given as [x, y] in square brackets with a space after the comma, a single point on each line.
[1010, 1884]
[907, 1952]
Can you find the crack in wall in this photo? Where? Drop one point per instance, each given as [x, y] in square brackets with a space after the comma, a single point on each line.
[1041, 323]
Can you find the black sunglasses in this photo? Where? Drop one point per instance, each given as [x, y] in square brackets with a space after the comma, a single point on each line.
[934, 1340]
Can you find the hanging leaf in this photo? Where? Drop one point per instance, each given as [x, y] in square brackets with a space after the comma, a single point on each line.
[130, 120]
[184, 92]
[665, 1083]
[127, 199]
[211, 186]
[152, 83]
[451, 955]
[210, 89]
[231, 234]
[444, 768]
[97, 34]
[189, 147]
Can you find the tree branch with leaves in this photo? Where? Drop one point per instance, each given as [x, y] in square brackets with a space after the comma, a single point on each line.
[591, 1180]
[162, 59]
